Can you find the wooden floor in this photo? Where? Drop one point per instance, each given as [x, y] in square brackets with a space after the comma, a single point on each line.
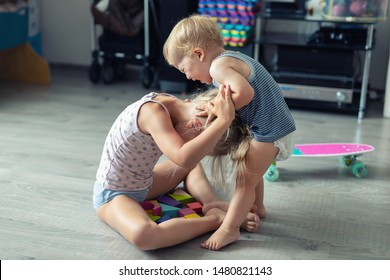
[51, 139]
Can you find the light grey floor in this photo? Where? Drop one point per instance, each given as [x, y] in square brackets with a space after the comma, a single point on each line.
[50, 144]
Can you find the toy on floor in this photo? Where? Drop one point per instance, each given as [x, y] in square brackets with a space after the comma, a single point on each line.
[347, 152]
[172, 205]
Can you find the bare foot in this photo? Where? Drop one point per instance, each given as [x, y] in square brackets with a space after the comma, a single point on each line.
[262, 212]
[251, 222]
[252, 219]
[221, 238]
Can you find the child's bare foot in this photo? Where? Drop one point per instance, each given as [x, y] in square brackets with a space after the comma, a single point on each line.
[251, 222]
[221, 238]
[252, 219]
[262, 212]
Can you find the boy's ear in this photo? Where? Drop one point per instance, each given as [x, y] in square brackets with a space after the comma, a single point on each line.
[200, 53]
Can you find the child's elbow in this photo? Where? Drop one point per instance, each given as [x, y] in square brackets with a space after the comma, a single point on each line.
[185, 163]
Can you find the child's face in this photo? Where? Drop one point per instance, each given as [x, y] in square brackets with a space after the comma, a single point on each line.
[195, 67]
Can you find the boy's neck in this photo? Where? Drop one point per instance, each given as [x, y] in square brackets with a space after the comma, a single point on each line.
[213, 53]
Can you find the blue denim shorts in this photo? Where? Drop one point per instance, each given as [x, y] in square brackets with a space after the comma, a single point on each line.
[102, 195]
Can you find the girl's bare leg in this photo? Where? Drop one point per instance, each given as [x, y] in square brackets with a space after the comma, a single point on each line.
[244, 195]
[127, 217]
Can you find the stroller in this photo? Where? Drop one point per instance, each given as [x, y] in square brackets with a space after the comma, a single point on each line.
[129, 36]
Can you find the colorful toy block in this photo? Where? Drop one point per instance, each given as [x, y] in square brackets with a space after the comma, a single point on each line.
[169, 201]
[154, 218]
[196, 206]
[192, 216]
[164, 218]
[184, 199]
[151, 207]
[169, 210]
[185, 211]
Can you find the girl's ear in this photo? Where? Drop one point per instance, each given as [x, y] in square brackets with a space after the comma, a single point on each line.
[199, 53]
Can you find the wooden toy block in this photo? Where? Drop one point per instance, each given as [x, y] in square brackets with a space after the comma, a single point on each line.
[181, 191]
[169, 201]
[192, 216]
[147, 205]
[154, 218]
[164, 218]
[196, 206]
[185, 211]
[169, 210]
[151, 207]
[184, 199]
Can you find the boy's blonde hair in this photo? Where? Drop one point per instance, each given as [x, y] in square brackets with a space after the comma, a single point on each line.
[193, 32]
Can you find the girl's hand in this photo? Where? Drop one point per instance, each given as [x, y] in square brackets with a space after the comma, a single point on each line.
[222, 105]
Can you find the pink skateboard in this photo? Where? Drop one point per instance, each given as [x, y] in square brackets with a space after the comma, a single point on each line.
[348, 153]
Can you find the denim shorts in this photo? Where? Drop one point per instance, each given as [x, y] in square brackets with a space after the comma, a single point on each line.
[102, 195]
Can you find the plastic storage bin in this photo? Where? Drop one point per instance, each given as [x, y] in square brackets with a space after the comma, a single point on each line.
[355, 10]
[13, 28]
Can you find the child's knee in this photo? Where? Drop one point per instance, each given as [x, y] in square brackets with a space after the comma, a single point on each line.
[143, 235]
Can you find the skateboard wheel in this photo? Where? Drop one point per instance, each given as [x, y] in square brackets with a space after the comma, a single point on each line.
[272, 174]
[347, 161]
[359, 169]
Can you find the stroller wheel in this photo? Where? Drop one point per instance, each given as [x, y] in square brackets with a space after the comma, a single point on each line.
[120, 70]
[147, 77]
[107, 73]
[94, 72]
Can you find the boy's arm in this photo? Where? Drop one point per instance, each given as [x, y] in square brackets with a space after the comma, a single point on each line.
[242, 92]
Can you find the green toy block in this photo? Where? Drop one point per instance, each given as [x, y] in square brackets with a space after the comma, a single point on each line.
[184, 199]
[169, 210]
[154, 218]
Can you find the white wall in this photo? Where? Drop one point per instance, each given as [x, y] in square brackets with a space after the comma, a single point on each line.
[66, 31]
[66, 35]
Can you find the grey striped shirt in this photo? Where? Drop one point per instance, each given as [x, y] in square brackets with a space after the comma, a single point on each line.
[267, 115]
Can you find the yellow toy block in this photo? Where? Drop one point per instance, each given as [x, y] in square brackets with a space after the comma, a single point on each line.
[192, 216]
[184, 199]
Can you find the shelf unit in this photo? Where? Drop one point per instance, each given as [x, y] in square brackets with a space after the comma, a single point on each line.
[299, 43]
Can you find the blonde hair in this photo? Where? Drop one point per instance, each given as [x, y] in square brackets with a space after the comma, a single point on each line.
[193, 32]
[231, 148]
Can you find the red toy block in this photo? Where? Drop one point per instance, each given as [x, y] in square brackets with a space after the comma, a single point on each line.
[151, 207]
[185, 211]
[196, 206]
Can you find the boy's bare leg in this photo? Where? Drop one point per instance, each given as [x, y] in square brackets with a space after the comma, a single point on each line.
[244, 195]
[199, 187]
[259, 200]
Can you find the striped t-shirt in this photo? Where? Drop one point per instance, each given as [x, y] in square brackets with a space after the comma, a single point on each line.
[267, 115]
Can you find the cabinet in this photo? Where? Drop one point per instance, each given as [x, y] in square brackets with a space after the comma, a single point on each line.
[318, 68]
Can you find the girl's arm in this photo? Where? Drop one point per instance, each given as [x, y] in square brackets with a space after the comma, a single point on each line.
[188, 154]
